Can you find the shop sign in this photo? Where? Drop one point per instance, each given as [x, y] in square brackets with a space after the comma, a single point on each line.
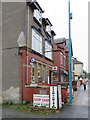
[53, 97]
[54, 68]
[32, 60]
[59, 96]
[40, 100]
[68, 92]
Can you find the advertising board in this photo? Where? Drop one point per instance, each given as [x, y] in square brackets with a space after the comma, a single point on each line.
[40, 100]
[53, 97]
[68, 92]
[59, 96]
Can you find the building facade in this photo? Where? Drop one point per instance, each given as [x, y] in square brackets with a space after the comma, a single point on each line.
[38, 69]
[31, 58]
[61, 60]
[78, 68]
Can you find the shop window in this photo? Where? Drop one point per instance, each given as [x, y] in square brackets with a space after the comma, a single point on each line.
[39, 70]
[44, 71]
[55, 77]
[39, 74]
[33, 72]
[36, 42]
[61, 78]
[65, 78]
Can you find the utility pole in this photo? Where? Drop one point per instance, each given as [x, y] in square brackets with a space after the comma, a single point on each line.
[70, 78]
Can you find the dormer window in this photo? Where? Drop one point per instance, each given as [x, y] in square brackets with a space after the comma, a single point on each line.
[38, 17]
[48, 30]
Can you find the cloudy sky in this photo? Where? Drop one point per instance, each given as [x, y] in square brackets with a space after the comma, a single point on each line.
[57, 12]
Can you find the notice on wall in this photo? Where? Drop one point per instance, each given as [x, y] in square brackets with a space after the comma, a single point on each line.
[53, 97]
[59, 96]
[40, 100]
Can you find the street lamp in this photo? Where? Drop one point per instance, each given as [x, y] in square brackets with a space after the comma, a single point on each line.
[70, 78]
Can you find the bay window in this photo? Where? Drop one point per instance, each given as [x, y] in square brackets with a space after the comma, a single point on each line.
[48, 50]
[36, 42]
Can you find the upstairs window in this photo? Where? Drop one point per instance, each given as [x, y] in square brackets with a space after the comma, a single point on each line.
[61, 59]
[38, 16]
[48, 30]
[48, 50]
[64, 61]
[36, 42]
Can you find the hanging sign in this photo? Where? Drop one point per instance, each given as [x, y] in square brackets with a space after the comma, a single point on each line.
[54, 68]
[40, 100]
[59, 96]
[32, 60]
[53, 97]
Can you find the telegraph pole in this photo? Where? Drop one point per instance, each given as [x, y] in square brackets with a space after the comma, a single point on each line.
[70, 78]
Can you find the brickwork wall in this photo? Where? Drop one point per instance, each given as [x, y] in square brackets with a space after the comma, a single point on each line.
[28, 92]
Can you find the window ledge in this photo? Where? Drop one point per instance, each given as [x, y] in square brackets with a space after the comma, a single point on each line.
[36, 86]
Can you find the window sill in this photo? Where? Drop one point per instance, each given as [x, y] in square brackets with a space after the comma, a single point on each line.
[36, 86]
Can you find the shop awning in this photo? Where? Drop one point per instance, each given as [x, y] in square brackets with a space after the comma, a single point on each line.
[64, 72]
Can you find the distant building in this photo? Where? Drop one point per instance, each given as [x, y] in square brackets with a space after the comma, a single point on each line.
[78, 68]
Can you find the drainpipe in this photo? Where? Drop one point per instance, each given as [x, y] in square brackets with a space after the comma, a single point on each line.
[27, 42]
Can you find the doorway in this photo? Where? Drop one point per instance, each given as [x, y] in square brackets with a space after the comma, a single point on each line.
[50, 76]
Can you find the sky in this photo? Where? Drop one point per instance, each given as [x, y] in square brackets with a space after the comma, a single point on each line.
[57, 12]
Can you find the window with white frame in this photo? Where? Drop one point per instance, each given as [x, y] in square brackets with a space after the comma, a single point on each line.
[38, 16]
[48, 29]
[48, 50]
[36, 42]
[61, 59]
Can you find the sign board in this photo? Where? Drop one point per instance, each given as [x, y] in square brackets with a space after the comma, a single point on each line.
[40, 100]
[53, 97]
[54, 68]
[68, 92]
[59, 96]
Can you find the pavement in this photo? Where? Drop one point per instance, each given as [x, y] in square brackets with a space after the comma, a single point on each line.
[78, 109]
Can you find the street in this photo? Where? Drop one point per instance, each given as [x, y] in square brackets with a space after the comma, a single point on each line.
[78, 109]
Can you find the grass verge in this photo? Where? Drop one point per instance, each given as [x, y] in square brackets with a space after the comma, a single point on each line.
[29, 108]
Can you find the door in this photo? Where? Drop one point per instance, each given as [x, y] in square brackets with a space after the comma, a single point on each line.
[50, 76]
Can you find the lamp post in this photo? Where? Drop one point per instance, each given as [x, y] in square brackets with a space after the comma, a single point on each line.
[70, 78]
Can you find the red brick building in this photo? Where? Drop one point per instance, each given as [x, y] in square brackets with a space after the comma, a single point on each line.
[40, 56]
[37, 59]
[61, 60]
